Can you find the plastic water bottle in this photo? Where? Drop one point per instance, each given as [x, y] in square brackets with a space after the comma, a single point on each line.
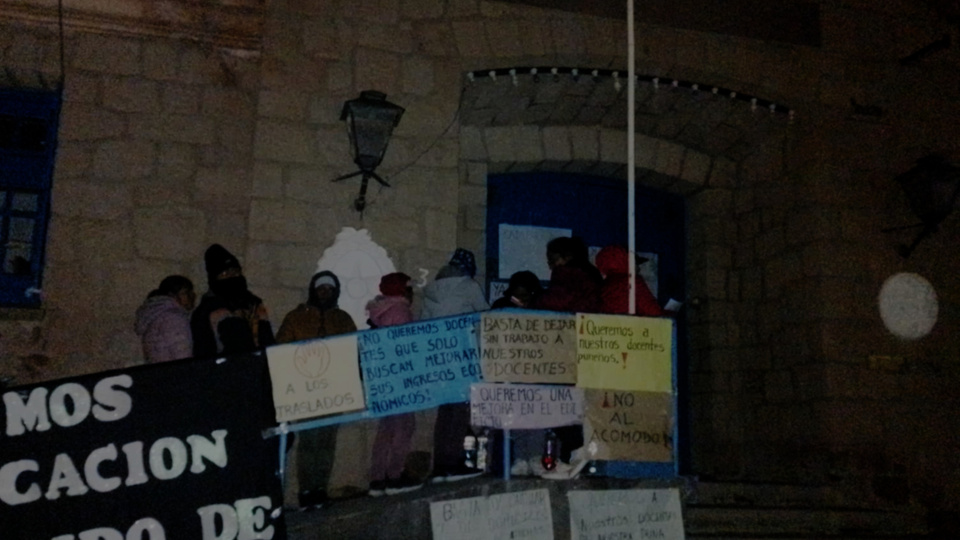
[470, 451]
[550, 451]
[483, 450]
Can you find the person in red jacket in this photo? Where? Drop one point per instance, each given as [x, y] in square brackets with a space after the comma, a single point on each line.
[613, 263]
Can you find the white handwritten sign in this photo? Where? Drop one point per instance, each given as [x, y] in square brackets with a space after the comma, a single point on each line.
[525, 406]
[626, 513]
[528, 346]
[315, 378]
[521, 514]
[523, 247]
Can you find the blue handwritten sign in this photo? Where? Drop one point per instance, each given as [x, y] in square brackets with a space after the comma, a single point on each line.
[419, 365]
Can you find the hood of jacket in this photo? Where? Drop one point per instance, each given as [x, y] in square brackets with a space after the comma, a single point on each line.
[451, 296]
[312, 292]
[153, 308]
[389, 310]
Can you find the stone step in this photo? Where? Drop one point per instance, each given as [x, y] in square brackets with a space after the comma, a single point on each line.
[733, 522]
[710, 510]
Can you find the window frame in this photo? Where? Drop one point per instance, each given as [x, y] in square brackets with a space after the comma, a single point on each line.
[26, 166]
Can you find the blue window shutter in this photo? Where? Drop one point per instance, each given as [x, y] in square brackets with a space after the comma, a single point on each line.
[28, 131]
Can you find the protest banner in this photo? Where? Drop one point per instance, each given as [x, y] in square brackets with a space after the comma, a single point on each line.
[315, 378]
[624, 352]
[636, 426]
[419, 365]
[626, 513]
[525, 406]
[528, 347]
[506, 516]
[164, 451]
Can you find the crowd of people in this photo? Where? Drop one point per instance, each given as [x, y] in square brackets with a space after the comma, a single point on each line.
[232, 320]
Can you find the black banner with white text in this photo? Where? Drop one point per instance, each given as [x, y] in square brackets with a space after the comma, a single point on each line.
[169, 451]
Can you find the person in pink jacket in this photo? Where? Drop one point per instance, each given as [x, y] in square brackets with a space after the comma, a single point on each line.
[163, 321]
[394, 437]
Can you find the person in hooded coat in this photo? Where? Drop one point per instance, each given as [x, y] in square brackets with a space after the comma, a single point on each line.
[453, 292]
[613, 263]
[319, 317]
[230, 319]
[394, 437]
[163, 321]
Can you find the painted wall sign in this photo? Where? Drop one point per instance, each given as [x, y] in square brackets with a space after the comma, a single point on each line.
[635, 426]
[506, 516]
[525, 406]
[529, 347]
[626, 513]
[162, 451]
[315, 378]
[624, 353]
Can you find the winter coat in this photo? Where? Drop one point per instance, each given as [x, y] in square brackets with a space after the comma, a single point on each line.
[452, 296]
[308, 322]
[164, 329]
[572, 289]
[389, 311]
[220, 329]
[613, 261]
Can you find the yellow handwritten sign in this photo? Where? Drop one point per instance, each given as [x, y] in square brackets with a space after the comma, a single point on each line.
[635, 426]
[623, 352]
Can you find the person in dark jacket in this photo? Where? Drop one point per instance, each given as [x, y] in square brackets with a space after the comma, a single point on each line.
[319, 317]
[574, 282]
[230, 319]
[574, 287]
[163, 321]
[522, 291]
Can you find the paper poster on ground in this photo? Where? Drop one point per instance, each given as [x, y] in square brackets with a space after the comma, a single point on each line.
[621, 514]
[525, 406]
[634, 426]
[528, 347]
[624, 352]
[506, 516]
[315, 378]
[524, 247]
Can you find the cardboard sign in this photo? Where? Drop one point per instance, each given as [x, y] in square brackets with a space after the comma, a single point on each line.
[507, 516]
[419, 365]
[315, 378]
[524, 406]
[635, 426]
[168, 450]
[621, 514]
[624, 352]
[529, 347]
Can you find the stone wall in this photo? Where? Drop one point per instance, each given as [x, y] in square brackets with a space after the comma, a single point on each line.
[167, 145]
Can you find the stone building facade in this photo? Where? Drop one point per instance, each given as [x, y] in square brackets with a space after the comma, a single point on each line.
[179, 129]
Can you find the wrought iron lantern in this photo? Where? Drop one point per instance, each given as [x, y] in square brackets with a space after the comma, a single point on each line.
[370, 121]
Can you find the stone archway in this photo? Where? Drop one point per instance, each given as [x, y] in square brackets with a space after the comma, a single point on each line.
[727, 161]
